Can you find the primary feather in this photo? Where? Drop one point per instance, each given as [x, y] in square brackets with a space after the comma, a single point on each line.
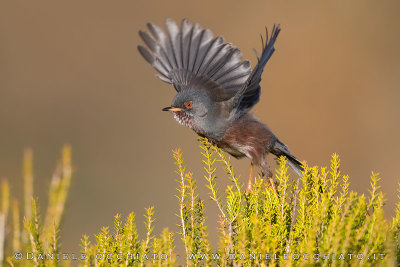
[249, 94]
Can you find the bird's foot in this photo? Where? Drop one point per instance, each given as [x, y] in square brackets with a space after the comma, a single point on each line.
[248, 189]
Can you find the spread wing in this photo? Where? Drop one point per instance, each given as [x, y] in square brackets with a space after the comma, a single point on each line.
[190, 57]
[250, 92]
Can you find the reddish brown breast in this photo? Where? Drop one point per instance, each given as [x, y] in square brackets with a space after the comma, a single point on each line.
[248, 137]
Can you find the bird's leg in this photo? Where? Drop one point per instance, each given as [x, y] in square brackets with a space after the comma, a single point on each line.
[267, 172]
[250, 178]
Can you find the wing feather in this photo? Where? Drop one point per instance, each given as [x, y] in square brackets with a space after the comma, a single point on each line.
[190, 57]
[250, 92]
[195, 45]
[165, 53]
[153, 61]
[174, 40]
[206, 40]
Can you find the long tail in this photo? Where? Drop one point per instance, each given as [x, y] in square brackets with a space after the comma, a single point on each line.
[281, 149]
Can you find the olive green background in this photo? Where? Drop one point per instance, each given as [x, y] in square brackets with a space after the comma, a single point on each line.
[70, 73]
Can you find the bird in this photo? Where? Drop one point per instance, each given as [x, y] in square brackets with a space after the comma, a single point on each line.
[216, 90]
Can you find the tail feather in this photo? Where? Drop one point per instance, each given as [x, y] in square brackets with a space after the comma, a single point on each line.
[296, 166]
[281, 149]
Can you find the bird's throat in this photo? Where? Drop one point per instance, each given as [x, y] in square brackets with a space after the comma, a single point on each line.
[183, 118]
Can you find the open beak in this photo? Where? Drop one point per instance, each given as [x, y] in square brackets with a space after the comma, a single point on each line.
[172, 109]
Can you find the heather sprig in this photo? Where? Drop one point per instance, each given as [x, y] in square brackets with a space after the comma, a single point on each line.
[315, 219]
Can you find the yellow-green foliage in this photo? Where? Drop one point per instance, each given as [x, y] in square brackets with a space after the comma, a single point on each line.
[123, 248]
[312, 216]
[312, 220]
[35, 236]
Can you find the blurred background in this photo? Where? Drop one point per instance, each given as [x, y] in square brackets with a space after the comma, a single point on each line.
[70, 73]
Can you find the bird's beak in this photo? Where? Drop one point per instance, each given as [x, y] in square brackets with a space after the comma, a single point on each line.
[172, 109]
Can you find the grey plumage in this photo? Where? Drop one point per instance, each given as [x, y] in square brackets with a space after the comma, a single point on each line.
[281, 149]
[215, 87]
[249, 95]
[191, 52]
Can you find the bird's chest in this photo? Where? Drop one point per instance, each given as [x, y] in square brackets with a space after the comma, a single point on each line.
[236, 145]
[211, 130]
[245, 139]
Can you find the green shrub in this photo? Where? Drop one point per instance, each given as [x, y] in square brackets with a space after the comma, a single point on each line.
[37, 236]
[312, 220]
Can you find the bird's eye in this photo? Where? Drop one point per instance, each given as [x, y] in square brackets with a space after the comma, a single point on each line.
[189, 104]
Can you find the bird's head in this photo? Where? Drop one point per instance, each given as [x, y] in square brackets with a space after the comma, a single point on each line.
[190, 108]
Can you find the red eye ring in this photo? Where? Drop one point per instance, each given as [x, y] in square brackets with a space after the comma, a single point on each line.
[189, 104]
